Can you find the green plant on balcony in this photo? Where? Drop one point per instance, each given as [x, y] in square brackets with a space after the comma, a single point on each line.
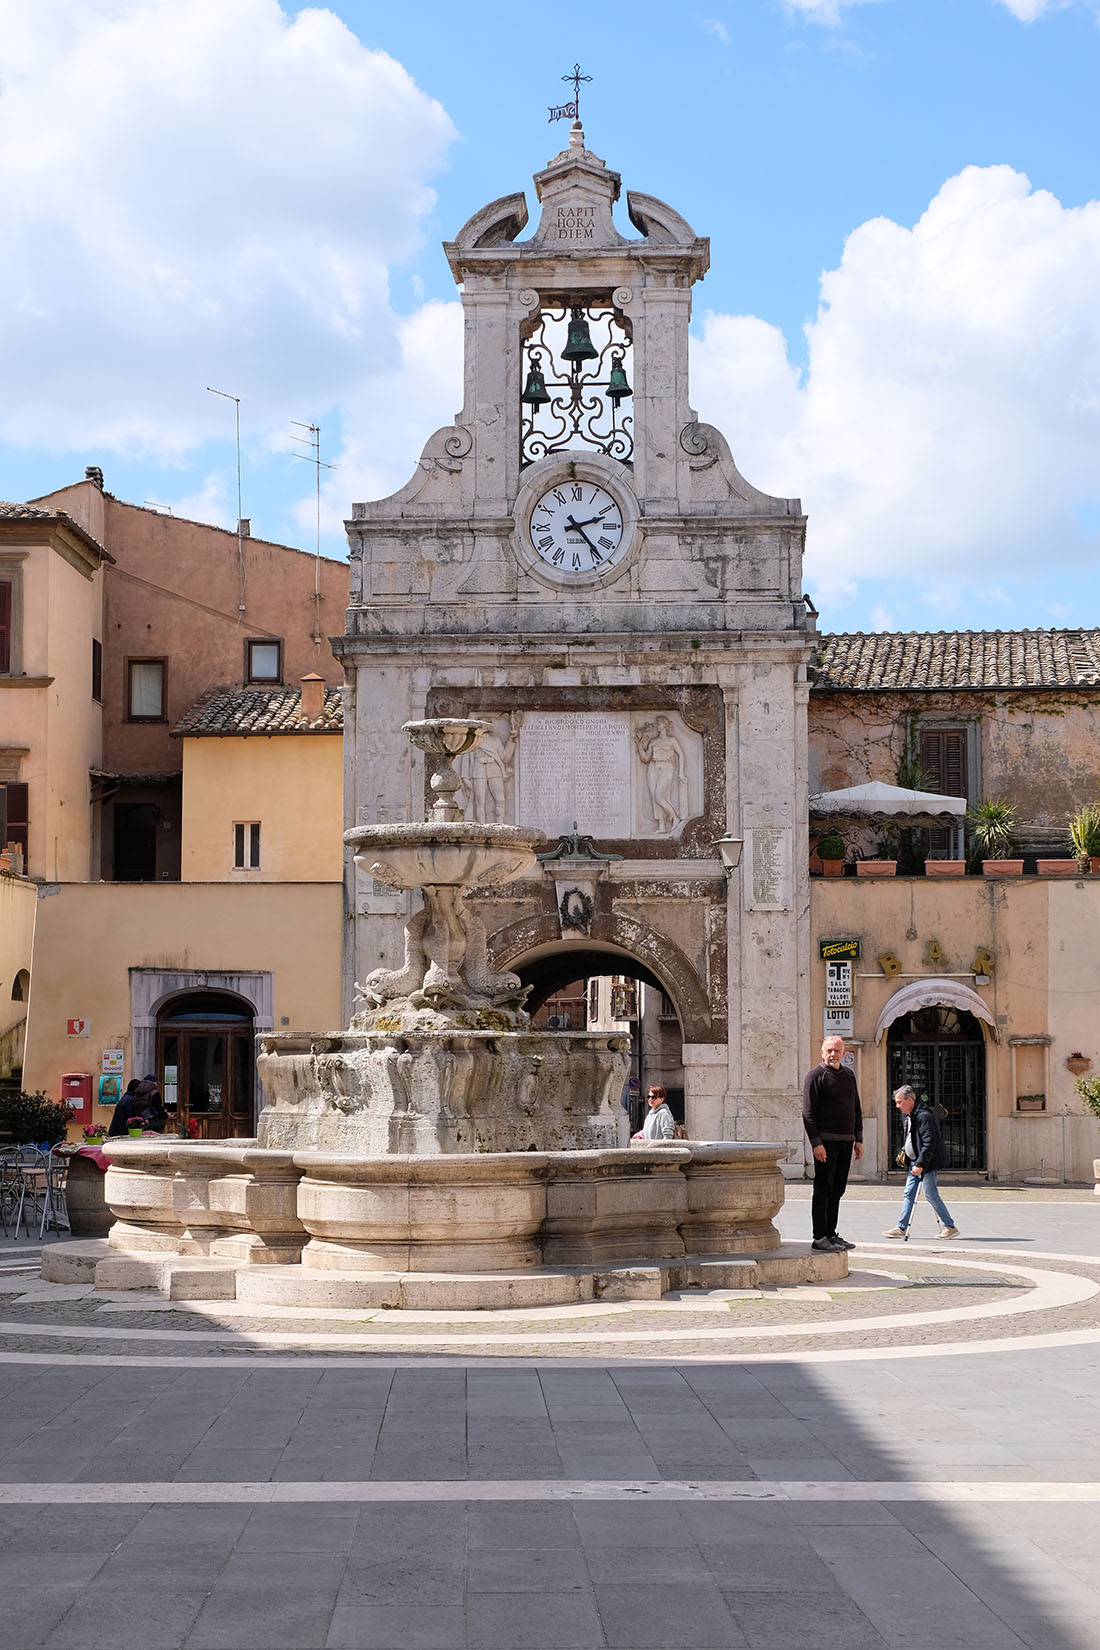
[831, 846]
[992, 829]
[1084, 831]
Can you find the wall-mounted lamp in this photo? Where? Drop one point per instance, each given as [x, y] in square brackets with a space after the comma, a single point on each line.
[730, 849]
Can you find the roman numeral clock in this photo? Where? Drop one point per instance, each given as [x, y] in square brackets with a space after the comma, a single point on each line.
[574, 524]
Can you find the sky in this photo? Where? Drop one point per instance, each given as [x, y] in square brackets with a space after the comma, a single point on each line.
[900, 325]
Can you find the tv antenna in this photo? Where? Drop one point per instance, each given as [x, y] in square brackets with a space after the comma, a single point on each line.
[236, 400]
[313, 439]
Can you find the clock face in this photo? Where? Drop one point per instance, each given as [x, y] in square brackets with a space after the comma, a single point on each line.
[576, 528]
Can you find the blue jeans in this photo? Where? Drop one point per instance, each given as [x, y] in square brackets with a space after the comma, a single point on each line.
[931, 1195]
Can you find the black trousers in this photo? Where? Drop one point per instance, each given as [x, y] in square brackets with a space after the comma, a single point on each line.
[830, 1179]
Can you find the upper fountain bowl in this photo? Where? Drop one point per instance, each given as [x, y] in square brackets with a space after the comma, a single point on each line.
[445, 854]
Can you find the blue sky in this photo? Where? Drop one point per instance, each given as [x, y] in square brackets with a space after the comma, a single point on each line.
[901, 321]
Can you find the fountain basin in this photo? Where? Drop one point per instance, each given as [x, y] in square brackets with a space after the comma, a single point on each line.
[439, 1090]
[446, 855]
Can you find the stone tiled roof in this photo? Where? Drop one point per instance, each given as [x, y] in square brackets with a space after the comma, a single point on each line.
[241, 711]
[23, 510]
[957, 660]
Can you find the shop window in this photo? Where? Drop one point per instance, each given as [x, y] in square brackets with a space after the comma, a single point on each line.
[97, 671]
[145, 690]
[246, 846]
[263, 661]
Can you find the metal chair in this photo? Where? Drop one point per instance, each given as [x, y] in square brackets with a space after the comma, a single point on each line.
[54, 1209]
[32, 1171]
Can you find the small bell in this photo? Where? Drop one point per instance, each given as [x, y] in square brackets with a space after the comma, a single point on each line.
[534, 391]
[579, 345]
[617, 387]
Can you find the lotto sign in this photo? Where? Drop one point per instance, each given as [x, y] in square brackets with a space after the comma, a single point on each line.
[832, 950]
[838, 1022]
[838, 984]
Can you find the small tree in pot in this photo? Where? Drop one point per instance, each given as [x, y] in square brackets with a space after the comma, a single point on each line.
[1084, 836]
[993, 834]
[1089, 1090]
[832, 852]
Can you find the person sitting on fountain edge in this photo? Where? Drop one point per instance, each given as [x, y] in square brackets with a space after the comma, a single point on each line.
[833, 1119]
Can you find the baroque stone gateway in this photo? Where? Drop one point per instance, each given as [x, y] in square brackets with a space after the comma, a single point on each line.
[578, 564]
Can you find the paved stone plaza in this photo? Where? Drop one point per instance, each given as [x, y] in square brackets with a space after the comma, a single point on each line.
[910, 1459]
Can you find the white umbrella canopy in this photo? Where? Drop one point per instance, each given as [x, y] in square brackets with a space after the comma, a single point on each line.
[880, 803]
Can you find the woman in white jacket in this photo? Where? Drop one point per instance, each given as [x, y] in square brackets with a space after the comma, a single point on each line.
[660, 1123]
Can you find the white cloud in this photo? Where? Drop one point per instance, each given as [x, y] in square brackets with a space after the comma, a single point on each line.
[828, 11]
[719, 30]
[206, 193]
[948, 422]
[1029, 11]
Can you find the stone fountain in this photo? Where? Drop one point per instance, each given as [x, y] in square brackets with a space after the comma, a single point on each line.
[441, 1151]
[442, 1056]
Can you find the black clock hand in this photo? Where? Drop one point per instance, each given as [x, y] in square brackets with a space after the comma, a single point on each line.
[575, 527]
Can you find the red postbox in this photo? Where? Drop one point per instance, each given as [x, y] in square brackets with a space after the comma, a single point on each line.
[76, 1091]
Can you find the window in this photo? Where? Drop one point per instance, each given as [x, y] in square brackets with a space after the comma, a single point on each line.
[145, 690]
[14, 820]
[246, 846]
[6, 605]
[263, 661]
[943, 756]
[97, 671]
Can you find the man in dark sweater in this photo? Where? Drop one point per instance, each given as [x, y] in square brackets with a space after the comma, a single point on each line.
[833, 1118]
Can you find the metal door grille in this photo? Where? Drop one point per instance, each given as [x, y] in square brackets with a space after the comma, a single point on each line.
[950, 1075]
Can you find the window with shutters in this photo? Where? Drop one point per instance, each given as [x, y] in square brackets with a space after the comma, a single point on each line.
[949, 757]
[6, 606]
[943, 756]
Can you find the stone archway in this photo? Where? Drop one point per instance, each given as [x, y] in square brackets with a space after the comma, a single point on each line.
[652, 955]
[534, 949]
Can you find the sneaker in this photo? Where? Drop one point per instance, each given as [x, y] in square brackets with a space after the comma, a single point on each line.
[825, 1246]
[897, 1232]
[840, 1243]
[950, 1232]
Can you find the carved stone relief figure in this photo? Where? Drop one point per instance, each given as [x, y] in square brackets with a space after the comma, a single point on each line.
[665, 764]
[487, 771]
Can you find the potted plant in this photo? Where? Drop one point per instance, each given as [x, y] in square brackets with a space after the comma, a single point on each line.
[832, 851]
[94, 1134]
[877, 867]
[135, 1130]
[993, 829]
[1078, 1063]
[1084, 837]
[1089, 1090]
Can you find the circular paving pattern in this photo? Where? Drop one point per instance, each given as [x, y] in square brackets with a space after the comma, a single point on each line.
[894, 1304]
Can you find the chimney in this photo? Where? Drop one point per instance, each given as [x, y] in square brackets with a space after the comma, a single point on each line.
[313, 697]
[93, 473]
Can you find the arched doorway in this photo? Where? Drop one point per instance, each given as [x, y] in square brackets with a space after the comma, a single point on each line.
[205, 1045]
[590, 989]
[940, 1050]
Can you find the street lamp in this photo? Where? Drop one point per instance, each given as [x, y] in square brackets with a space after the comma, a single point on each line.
[730, 849]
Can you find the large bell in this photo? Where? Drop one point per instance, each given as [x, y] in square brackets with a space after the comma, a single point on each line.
[534, 391]
[579, 345]
[617, 387]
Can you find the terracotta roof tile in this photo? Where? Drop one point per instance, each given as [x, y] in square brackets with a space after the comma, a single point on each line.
[918, 661]
[241, 711]
[23, 510]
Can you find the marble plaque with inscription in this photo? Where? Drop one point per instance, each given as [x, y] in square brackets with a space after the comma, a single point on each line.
[575, 765]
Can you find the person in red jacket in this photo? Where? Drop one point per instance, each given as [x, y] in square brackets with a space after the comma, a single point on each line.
[833, 1119]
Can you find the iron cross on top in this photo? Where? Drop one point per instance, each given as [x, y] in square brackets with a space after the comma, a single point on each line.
[571, 111]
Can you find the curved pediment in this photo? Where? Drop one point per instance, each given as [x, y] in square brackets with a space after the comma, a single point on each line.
[494, 225]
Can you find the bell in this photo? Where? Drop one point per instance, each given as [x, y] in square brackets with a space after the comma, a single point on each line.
[579, 345]
[617, 387]
[534, 391]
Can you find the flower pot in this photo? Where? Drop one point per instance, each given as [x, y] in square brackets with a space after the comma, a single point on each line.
[1057, 868]
[945, 867]
[876, 867]
[1031, 1102]
[1002, 867]
[1078, 1064]
[832, 867]
[135, 1134]
[1094, 864]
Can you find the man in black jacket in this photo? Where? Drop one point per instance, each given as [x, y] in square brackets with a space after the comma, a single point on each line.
[927, 1154]
[833, 1118]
